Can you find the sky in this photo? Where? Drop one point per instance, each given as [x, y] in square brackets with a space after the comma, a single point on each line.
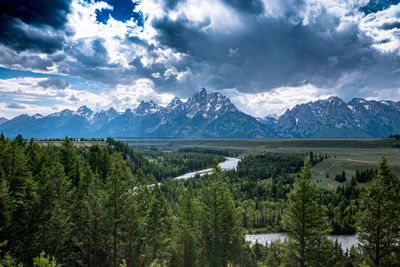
[265, 55]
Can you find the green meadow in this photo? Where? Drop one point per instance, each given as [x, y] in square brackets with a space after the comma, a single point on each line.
[343, 154]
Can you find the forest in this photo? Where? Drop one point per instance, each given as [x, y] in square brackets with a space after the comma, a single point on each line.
[109, 205]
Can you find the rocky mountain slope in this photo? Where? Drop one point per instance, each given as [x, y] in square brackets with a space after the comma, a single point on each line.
[214, 116]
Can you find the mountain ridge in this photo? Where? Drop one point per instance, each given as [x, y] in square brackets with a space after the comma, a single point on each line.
[212, 115]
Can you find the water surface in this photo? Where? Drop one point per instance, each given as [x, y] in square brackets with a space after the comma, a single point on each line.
[228, 164]
[345, 240]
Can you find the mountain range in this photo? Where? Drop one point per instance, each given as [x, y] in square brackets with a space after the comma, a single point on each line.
[214, 116]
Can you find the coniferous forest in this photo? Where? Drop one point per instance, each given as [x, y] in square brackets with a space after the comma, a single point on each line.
[108, 205]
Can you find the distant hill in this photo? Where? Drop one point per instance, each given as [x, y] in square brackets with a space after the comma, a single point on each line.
[214, 116]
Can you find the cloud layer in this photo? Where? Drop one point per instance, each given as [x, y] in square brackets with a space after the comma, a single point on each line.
[267, 55]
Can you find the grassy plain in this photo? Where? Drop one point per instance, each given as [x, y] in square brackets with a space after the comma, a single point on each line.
[343, 154]
[76, 143]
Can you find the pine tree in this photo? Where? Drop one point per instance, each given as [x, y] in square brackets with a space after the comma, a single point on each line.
[81, 213]
[305, 222]
[379, 218]
[59, 225]
[69, 160]
[187, 228]
[130, 231]
[221, 230]
[158, 227]
[22, 188]
[5, 210]
[95, 205]
[117, 186]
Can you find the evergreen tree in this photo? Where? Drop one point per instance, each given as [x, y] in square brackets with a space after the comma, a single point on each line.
[81, 213]
[306, 223]
[187, 231]
[130, 231]
[158, 227]
[95, 206]
[59, 225]
[379, 218]
[221, 231]
[68, 158]
[5, 210]
[117, 186]
[23, 196]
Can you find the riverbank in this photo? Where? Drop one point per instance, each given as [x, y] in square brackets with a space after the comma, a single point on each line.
[229, 164]
[346, 241]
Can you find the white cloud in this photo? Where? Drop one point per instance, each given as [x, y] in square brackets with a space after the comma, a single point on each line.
[25, 92]
[156, 75]
[174, 72]
[381, 27]
[275, 101]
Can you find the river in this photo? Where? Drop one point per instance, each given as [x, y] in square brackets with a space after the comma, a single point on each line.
[228, 164]
[345, 240]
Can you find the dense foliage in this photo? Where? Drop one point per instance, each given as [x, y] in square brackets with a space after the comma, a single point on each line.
[102, 206]
[163, 165]
[85, 206]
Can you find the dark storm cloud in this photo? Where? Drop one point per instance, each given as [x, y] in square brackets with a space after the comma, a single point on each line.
[97, 55]
[54, 82]
[271, 52]
[33, 25]
[90, 61]
[11, 59]
[249, 6]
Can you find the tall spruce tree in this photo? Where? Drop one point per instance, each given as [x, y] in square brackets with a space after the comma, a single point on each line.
[158, 228]
[222, 235]
[59, 224]
[379, 218]
[97, 227]
[81, 213]
[187, 229]
[117, 186]
[306, 223]
[5, 210]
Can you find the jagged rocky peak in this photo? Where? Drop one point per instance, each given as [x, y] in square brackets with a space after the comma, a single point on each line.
[106, 115]
[146, 108]
[203, 92]
[84, 111]
[38, 116]
[175, 104]
[112, 111]
[128, 110]
[200, 95]
[331, 101]
[208, 105]
[65, 112]
[334, 99]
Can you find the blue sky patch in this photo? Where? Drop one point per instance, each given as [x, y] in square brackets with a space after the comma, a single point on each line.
[122, 11]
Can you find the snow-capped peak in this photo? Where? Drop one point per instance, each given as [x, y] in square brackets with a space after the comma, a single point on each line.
[84, 111]
[37, 116]
[175, 103]
[146, 108]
